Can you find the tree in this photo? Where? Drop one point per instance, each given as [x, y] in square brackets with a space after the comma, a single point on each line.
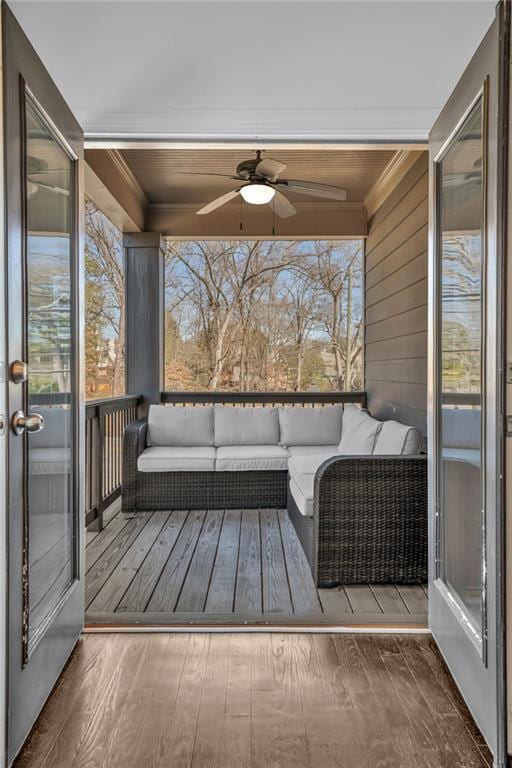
[302, 295]
[94, 327]
[263, 314]
[105, 300]
[218, 276]
[335, 269]
[462, 312]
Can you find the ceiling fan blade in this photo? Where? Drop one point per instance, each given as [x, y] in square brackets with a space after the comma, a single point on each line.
[50, 187]
[222, 200]
[317, 190]
[282, 206]
[269, 169]
[198, 173]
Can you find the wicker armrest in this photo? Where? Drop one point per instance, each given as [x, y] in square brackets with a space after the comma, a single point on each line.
[370, 520]
[134, 442]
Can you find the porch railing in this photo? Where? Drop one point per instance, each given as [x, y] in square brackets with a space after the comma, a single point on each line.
[105, 422]
[461, 399]
[263, 398]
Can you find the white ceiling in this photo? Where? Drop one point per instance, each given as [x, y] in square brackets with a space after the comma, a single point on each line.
[253, 69]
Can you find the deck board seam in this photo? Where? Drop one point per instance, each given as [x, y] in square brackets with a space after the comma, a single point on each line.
[261, 562]
[286, 566]
[157, 580]
[233, 602]
[121, 529]
[121, 557]
[143, 561]
[376, 598]
[196, 542]
[210, 578]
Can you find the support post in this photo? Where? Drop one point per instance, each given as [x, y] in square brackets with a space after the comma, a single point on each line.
[144, 254]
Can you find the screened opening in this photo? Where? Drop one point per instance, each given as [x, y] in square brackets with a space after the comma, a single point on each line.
[263, 315]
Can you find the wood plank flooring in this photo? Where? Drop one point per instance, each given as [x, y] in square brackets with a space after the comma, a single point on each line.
[255, 700]
[221, 566]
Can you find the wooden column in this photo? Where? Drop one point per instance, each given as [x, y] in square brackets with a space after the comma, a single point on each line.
[144, 253]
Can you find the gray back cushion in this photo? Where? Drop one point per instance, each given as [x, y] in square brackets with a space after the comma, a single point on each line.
[310, 426]
[397, 439]
[169, 425]
[245, 426]
[358, 433]
[461, 428]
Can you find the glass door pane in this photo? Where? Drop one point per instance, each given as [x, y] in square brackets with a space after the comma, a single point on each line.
[49, 252]
[460, 185]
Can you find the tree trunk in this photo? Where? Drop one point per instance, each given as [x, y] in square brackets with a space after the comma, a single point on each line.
[300, 360]
[218, 363]
[348, 353]
[335, 333]
[338, 360]
[118, 384]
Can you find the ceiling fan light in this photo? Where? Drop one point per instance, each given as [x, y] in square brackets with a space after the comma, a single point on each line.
[257, 194]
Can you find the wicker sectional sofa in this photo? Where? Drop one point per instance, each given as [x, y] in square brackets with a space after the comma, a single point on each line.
[355, 487]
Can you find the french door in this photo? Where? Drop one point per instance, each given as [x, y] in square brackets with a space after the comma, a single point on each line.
[43, 191]
[465, 388]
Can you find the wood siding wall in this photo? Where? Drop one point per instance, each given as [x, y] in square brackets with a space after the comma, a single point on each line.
[396, 302]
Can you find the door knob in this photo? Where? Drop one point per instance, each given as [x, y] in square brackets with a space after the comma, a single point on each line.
[19, 371]
[34, 422]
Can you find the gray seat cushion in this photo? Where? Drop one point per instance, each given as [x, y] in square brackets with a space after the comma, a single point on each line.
[302, 489]
[245, 426]
[176, 426]
[397, 439]
[310, 426]
[306, 465]
[312, 450]
[177, 459]
[233, 458]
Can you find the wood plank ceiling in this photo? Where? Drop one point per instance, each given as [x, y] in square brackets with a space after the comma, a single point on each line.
[167, 175]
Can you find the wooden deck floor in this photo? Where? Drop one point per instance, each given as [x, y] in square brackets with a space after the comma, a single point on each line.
[224, 567]
[255, 701]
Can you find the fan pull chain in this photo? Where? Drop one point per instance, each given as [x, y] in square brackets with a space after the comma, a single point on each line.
[274, 216]
[241, 210]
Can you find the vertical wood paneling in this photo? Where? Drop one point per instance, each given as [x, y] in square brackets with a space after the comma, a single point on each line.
[396, 302]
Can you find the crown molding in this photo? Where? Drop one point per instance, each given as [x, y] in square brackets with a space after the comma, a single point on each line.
[401, 162]
[103, 198]
[127, 174]
[360, 125]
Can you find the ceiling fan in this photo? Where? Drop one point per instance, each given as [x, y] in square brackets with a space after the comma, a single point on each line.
[264, 185]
